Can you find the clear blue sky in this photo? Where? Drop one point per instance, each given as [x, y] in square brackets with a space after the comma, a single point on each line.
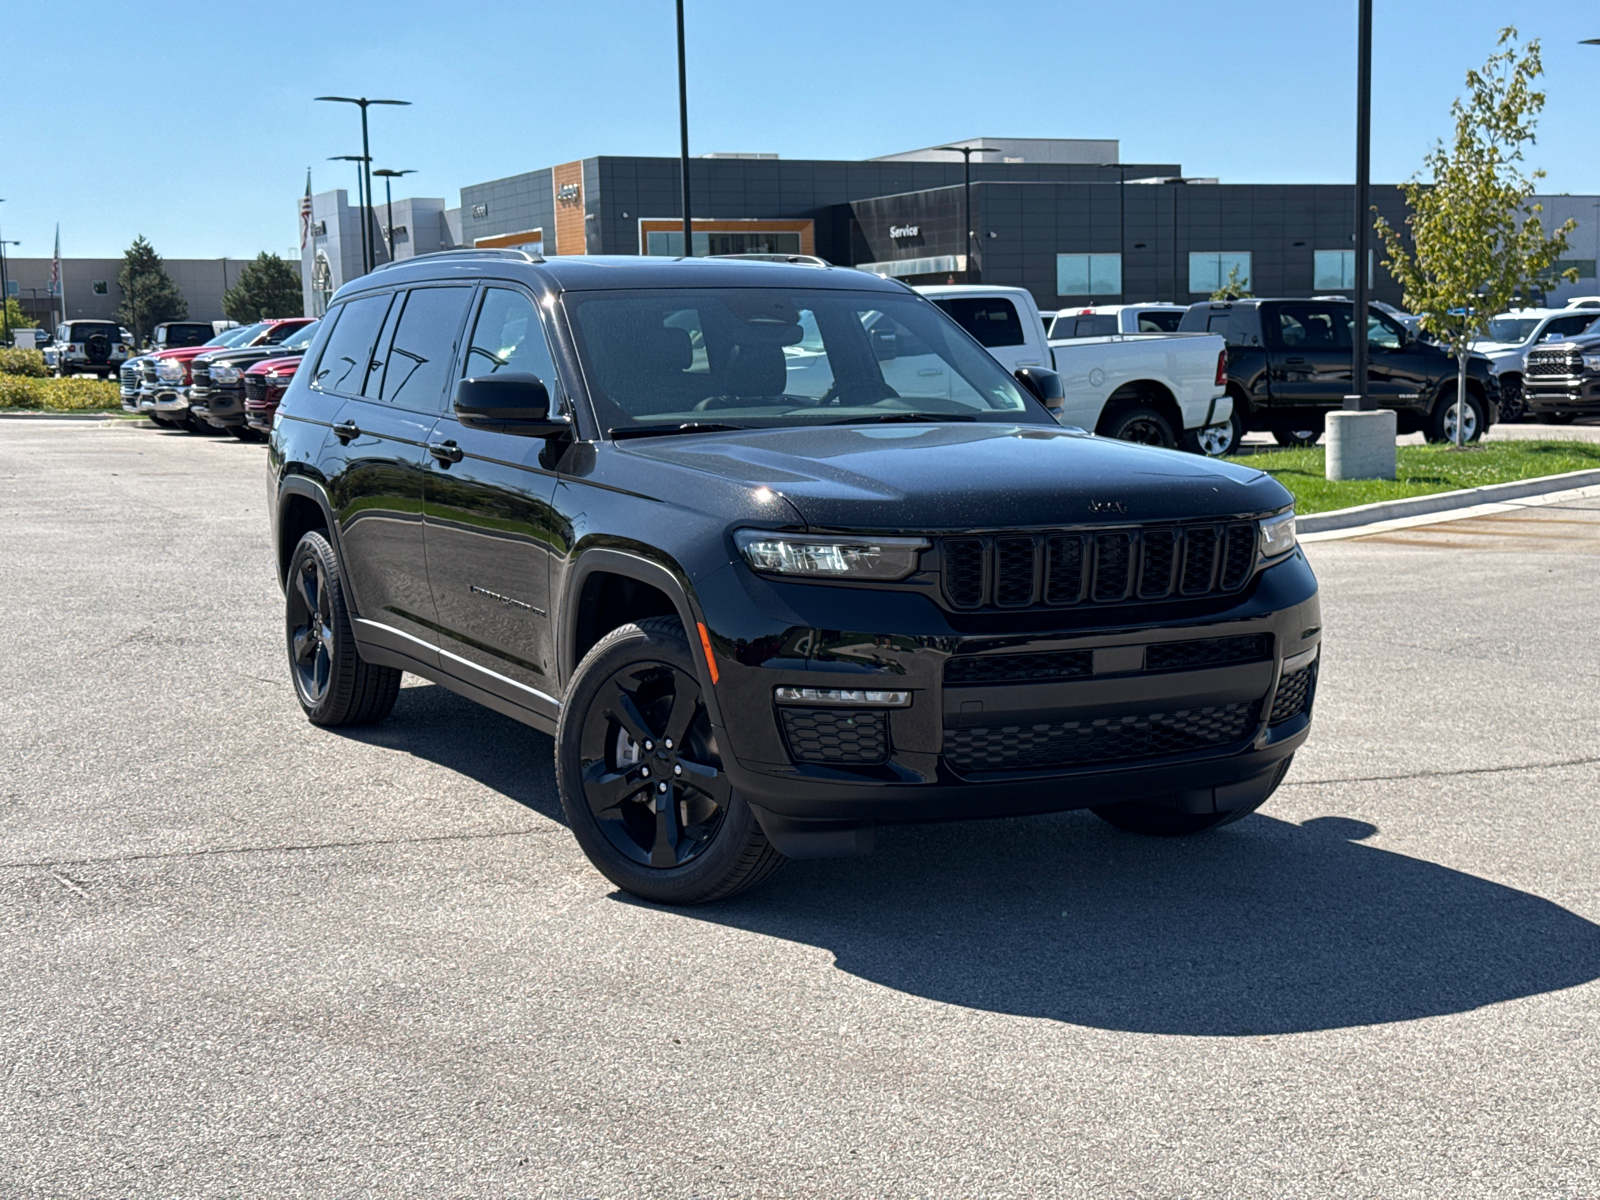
[193, 123]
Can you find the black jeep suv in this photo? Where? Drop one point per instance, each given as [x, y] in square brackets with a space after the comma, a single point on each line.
[765, 589]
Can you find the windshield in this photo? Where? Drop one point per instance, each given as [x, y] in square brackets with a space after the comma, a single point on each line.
[301, 338]
[761, 358]
[282, 331]
[1512, 329]
[247, 335]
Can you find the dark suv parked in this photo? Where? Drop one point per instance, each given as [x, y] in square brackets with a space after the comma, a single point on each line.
[670, 512]
[1289, 364]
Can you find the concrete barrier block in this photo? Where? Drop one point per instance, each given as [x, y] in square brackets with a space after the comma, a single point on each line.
[1360, 445]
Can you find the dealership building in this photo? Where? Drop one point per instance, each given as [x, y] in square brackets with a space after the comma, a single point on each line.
[1065, 218]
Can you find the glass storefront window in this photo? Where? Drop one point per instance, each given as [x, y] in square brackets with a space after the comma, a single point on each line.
[1209, 269]
[1335, 270]
[1088, 274]
[670, 243]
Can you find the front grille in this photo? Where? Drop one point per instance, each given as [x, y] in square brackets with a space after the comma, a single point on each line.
[199, 380]
[1563, 362]
[849, 737]
[128, 378]
[1207, 652]
[1010, 668]
[255, 388]
[1293, 692]
[1104, 567]
[1103, 739]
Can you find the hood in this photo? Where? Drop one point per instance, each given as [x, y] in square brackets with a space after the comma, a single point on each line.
[961, 477]
[184, 353]
[274, 364]
[245, 355]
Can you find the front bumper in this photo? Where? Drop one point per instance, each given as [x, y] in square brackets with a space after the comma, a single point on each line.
[1203, 740]
[170, 400]
[1570, 394]
[222, 407]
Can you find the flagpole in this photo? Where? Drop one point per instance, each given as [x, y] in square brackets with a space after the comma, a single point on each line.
[61, 279]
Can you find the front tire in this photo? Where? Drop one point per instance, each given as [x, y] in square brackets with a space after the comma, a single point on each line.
[640, 774]
[1291, 438]
[1513, 404]
[1142, 424]
[335, 686]
[1442, 423]
[1217, 441]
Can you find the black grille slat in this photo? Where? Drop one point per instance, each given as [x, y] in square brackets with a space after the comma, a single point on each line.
[255, 387]
[1158, 556]
[1554, 362]
[1199, 559]
[853, 737]
[1207, 652]
[1064, 573]
[1293, 692]
[1103, 739]
[963, 572]
[1113, 555]
[1013, 576]
[1238, 556]
[1012, 668]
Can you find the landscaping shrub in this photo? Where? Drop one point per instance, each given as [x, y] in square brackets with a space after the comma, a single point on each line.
[22, 362]
[75, 394]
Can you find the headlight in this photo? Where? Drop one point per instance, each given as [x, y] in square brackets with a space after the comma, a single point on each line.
[169, 371]
[1277, 535]
[221, 373]
[821, 557]
[1591, 362]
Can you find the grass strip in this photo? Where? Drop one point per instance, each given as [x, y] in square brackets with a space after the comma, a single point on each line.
[1420, 471]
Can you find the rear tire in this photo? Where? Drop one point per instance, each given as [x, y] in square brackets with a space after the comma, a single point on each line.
[1156, 820]
[640, 774]
[1217, 441]
[1142, 424]
[335, 686]
[1296, 437]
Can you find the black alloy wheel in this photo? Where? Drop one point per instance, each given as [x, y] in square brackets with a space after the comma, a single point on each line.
[1141, 424]
[640, 773]
[1513, 404]
[334, 685]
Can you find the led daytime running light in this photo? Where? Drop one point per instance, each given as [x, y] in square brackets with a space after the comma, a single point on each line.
[850, 696]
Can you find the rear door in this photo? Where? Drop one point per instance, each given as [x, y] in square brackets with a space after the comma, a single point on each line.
[1310, 345]
[377, 493]
[490, 522]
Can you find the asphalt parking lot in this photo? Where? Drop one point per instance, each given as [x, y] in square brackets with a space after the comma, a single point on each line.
[243, 956]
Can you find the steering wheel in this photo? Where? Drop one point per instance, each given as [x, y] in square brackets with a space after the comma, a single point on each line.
[711, 403]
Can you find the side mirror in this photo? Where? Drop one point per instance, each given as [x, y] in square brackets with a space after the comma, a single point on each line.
[515, 402]
[1045, 387]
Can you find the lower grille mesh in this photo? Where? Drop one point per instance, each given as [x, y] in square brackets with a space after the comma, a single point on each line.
[852, 737]
[1104, 739]
[1293, 692]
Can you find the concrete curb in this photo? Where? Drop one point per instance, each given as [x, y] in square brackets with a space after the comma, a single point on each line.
[1415, 506]
[34, 414]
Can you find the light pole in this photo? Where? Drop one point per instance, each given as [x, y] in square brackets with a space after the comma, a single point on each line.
[5, 289]
[361, 203]
[683, 138]
[388, 177]
[1358, 400]
[370, 259]
[966, 153]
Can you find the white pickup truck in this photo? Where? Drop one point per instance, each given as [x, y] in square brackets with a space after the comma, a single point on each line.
[1160, 389]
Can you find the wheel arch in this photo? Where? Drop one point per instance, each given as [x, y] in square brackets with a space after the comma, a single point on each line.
[1142, 391]
[302, 508]
[608, 587]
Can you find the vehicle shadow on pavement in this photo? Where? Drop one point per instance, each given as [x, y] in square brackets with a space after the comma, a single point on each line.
[1266, 927]
[434, 723]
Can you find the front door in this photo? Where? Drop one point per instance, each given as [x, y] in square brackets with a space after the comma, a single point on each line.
[490, 522]
[377, 493]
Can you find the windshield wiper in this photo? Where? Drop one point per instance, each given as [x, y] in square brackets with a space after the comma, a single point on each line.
[886, 418]
[633, 431]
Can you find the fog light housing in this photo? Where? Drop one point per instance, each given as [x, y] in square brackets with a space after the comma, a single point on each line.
[851, 697]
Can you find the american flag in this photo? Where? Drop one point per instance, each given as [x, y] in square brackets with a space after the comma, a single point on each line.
[305, 213]
[55, 266]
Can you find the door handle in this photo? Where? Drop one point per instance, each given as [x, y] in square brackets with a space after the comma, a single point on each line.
[1299, 362]
[446, 452]
[347, 431]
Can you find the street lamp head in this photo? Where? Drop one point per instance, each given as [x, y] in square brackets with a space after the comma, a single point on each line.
[1590, 42]
[386, 173]
[361, 100]
[348, 158]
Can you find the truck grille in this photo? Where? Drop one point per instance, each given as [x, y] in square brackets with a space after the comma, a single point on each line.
[1111, 566]
[199, 380]
[255, 389]
[1562, 361]
[128, 378]
[1103, 739]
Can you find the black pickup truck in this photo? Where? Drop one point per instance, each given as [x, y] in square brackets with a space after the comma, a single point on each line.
[1289, 364]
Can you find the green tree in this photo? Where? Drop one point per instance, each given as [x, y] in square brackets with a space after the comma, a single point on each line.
[267, 287]
[1234, 287]
[1475, 238]
[16, 318]
[149, 296]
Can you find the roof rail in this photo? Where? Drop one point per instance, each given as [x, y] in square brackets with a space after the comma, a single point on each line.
[467, 252]
[808, 260]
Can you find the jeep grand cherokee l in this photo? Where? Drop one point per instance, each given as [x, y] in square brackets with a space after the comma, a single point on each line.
[763, 610]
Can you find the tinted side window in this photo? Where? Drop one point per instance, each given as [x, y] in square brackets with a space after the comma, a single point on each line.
[347, 357]
[993, 322]
[424, 347]
[507, 337]
[1313, 327]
